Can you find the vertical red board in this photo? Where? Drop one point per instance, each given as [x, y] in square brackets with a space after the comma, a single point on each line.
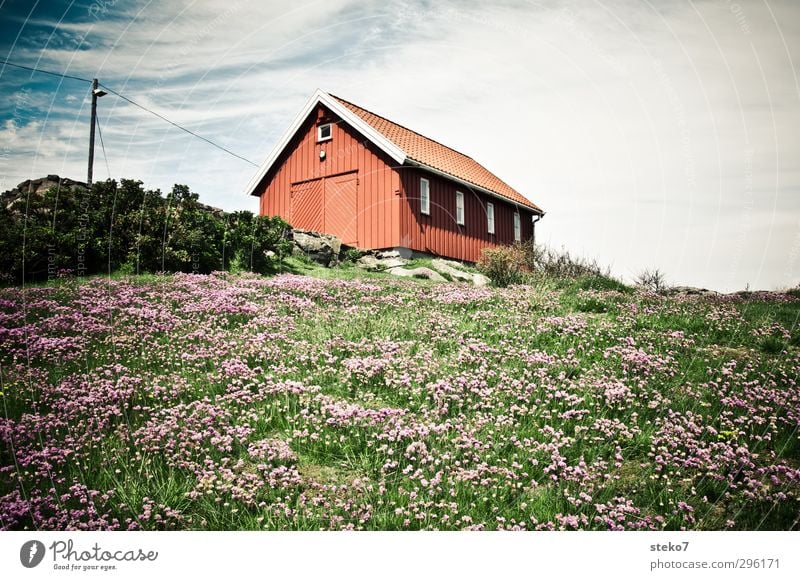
[341, 203]
[306, 212]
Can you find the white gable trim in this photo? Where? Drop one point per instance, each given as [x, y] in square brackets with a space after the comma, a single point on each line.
[346, 114]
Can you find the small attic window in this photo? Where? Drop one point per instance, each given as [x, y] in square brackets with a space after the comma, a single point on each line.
[324, 132]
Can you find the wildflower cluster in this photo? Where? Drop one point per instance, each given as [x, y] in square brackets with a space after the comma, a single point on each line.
[293, 402]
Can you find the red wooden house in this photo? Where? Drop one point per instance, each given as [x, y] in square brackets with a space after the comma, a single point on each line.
[342, 170]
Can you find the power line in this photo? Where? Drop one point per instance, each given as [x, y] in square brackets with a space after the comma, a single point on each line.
[132, 102]
[174, 124]
[103, 145]
[47, 72]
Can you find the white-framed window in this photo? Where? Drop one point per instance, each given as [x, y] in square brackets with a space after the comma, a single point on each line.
[424, 196]
[517, 227]
[459, 208]
[490, 217]
[324, 132]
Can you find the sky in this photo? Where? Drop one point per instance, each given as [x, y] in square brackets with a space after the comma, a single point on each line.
[655, 134]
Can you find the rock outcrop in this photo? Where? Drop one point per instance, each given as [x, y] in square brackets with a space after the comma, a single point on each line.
[690, 291]
[322, 248]
[14, 199]
[377, 261]
[390, 262]
[453, 269]
[420, 272]
[42, 184]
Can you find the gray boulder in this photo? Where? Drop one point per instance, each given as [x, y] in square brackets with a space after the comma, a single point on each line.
[420, 272]
[690, 291]
[378, 261]
[322, 248]
[480, 280]
[389, 263]
[453, 269]
[368, 262]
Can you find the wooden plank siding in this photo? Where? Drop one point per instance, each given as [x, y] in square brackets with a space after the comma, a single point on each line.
[305, 206]
[340, 209]
[387, 197]
[378, 186]
[439, 234]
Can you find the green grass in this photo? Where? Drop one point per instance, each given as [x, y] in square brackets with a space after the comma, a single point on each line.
[496, 388]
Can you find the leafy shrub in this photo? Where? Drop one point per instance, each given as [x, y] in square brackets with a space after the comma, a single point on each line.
[352, 254]
[122, 227]
[256, 243]
[653, 280]
[561, 264]
[511, 264]
[503, 265]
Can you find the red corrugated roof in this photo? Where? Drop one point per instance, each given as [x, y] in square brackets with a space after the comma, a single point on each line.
[433, 154]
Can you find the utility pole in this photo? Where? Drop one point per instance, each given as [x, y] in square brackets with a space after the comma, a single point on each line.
[96, 92]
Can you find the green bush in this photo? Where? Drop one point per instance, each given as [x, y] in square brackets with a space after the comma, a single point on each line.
[255, 243]
[122, 227]
[562, 265]
[503, 265]
[352, 254]
[513, 264]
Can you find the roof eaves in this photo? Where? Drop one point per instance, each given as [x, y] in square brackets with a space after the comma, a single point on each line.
[500, 196]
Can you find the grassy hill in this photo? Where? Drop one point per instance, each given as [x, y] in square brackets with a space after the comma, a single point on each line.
[341, 399]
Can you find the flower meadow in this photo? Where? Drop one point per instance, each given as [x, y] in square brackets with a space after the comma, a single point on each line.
[304, 403]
